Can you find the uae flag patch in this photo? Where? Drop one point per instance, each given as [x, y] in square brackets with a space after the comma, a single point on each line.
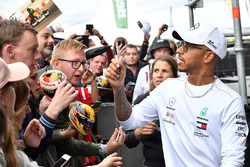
[202, 125]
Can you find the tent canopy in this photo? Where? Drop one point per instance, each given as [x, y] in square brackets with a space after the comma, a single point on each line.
[78, 13]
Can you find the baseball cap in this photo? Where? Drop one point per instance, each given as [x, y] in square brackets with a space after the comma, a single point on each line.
[96, 50]
[12, 72]
[161, 43]
[204, 34]
[56, 28]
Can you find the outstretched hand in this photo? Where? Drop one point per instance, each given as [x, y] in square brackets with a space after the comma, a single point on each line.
[64, 95]
[116, 140]
[88, 77]
[115, 73]
[148, 129]
[44, 104]
[146, 37]
[161, 31]
[120, 49]
[69, 132]
[34, 133]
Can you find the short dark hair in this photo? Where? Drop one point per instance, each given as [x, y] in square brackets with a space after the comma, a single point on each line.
[132, 46]
[120, 39]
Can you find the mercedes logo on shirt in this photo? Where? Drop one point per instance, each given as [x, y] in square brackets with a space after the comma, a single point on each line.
[171, 101]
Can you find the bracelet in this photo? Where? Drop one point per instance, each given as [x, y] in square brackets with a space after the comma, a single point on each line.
[101, 37]
[103, 150]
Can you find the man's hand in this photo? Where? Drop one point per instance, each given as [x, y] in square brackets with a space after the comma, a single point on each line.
[115, 73]
[69, 132]
[146, 130]
[116, 140]
[88, 77]
[97, 33]
[161, 31]
[34, 133]
[121, 50]
[75, 37]
[146, 37]
[44, 104]
[64, 95]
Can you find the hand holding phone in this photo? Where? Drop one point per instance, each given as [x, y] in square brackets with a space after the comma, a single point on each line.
[121, 44]
[144, 26]
[90, 27]
[157, 122]
[139, 24]
[84, 39]
[164, 27]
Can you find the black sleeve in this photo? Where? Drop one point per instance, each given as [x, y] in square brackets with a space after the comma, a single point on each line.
[130, 140]
[143, 51]
[49, 125]
[140, 98]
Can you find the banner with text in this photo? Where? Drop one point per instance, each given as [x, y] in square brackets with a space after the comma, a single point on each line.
[121, 15]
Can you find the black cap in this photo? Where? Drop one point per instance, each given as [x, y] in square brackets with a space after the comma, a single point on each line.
[161, 43]
[95, 51]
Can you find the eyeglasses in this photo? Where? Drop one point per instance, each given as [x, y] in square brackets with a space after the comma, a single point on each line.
[76, 64]
[187, 45]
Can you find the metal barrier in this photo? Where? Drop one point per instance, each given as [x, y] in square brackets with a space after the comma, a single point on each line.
[106, 123]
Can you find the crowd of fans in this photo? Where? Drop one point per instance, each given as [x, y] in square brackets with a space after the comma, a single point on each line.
[35, 128]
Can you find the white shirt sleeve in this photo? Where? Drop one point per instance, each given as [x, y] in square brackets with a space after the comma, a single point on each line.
[234, 131]
[142, 113]
[142, 82]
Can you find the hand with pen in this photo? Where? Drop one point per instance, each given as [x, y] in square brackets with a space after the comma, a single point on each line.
[116, 140]
[115, 73]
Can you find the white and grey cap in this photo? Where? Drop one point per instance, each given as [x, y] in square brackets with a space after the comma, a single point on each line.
[204, 34]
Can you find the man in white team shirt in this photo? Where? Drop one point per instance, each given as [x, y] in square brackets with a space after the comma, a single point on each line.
[202, 121]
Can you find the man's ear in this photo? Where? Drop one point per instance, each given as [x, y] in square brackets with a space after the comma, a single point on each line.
[210, 56]
[8, 52]
[54, 63]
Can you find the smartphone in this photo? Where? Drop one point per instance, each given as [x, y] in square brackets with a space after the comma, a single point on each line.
[130, 86]
[90, 27]
[157, 122]
[96, 104]
[139, 24]
[63, 161]
[121, 43]
[85, 39]
[165, 27]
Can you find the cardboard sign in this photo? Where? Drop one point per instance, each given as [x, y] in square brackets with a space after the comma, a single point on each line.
[37, 13]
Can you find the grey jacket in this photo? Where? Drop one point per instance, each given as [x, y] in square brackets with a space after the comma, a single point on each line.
[23, 159]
